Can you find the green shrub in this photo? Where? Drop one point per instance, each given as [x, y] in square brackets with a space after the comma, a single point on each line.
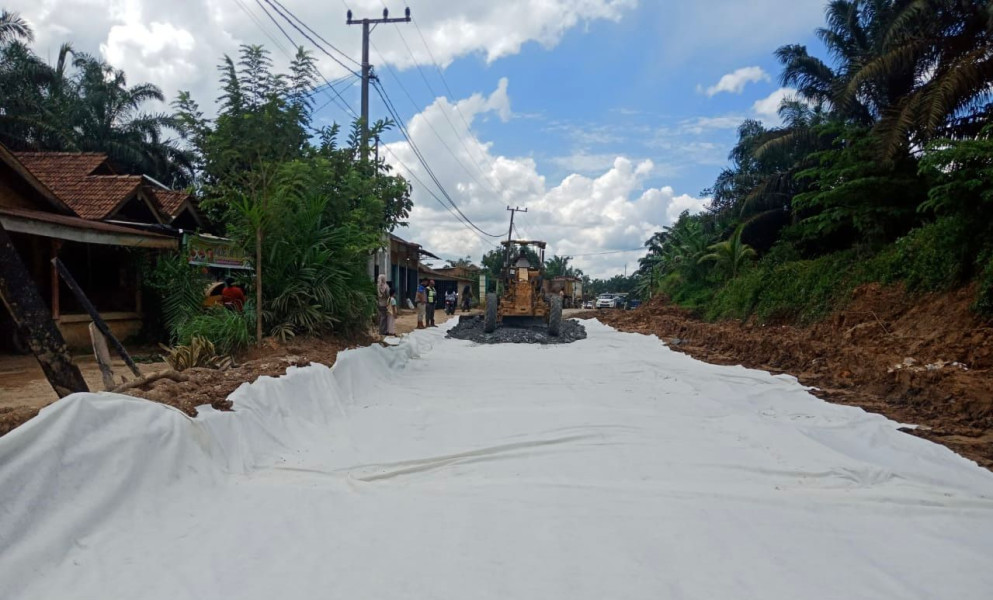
[938, 256]
[984, 294]
[738, 298]
[177, 292]
[228, 330]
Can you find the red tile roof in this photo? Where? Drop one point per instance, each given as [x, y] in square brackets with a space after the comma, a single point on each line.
[169, 201]
[61, 164]
[68, 175]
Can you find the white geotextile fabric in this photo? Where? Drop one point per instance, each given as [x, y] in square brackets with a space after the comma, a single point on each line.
[608, 468]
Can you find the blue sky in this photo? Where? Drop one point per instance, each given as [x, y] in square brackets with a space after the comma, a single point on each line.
[602, 116]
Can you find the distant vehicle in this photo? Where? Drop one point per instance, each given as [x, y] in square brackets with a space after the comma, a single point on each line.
[588, 304]
[633, 304]
[605, 301]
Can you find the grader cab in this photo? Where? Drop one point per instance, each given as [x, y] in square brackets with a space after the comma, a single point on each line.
[524, 301]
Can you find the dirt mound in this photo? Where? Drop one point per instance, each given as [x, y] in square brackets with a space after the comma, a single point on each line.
[926, 360]
[213, 386]
[471, 329]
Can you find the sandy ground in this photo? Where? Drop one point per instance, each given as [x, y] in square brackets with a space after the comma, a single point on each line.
[22, 382]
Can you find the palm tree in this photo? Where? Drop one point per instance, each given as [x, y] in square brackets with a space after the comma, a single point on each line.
[14, 28]
[109, 118]
[559, 266]
[460, 262]
[950, 45]
[83, 104]
[730, 256]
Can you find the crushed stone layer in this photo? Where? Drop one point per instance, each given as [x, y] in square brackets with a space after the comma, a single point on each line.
[471, 328]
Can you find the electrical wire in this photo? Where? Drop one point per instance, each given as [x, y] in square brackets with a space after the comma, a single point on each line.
[344, 103]
[414, 176]
[310, 39]
[432, 128]
[317, 35]
[457, 213]
[451, 95]
[401, 126]
[265, 31]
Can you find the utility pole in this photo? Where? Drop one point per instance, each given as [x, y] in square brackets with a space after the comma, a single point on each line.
[367, 68]
[510, 231]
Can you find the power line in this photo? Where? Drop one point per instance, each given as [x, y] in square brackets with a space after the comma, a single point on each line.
[435, 196]
[444, 114]
[317, 35]
[265, 31]
[310, 39]
[605, 253]
[332, 99]
[344, 103]
[431, 126]
[444, 82]
[420, 156]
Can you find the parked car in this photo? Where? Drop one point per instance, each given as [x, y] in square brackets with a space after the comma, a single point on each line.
[605, 301]
[633, 304]
[588, 304]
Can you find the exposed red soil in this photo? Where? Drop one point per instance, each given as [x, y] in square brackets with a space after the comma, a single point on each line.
[204, 386]
[926, 360]
[213, 386]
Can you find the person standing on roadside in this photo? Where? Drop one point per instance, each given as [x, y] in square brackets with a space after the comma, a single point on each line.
[421, 298]
[382, 302]
[232, 296]
[432, 297]
[466, 297]
[391, 314]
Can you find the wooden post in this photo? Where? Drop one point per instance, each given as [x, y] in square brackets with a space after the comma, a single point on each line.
[102, 354]
[258, 286]
[56, 308]
[33, 319]
[97, 320]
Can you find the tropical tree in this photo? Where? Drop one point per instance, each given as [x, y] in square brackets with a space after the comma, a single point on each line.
[557, 266]
[730, 256]
[14, 28]
[82, 104]
[465, 262]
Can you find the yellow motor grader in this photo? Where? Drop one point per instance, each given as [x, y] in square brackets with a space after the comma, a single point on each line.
[524, 302]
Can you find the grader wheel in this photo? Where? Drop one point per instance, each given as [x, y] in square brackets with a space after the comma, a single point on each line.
[489, 324]
[554, 315]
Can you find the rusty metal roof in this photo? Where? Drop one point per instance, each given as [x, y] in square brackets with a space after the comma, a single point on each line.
[63, 226]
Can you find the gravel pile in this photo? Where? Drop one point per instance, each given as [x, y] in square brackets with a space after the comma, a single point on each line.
[471, 328]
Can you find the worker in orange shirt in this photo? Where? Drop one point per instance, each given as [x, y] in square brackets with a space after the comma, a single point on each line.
[234, 298]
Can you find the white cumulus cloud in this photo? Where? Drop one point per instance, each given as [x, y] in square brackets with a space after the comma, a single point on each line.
[177, 45]
[734, 83]
[768, 108]
[608, 207]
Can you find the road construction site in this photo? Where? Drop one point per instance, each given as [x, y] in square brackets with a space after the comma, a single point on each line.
[610, 467]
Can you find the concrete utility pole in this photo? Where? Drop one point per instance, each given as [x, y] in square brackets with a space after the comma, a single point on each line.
[367, 68]
[510, 231]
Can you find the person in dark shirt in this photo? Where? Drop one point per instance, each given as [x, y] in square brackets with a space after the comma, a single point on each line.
[234, 298]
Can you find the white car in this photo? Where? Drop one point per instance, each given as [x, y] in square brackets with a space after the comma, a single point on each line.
[605, 301]
[588, 304]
